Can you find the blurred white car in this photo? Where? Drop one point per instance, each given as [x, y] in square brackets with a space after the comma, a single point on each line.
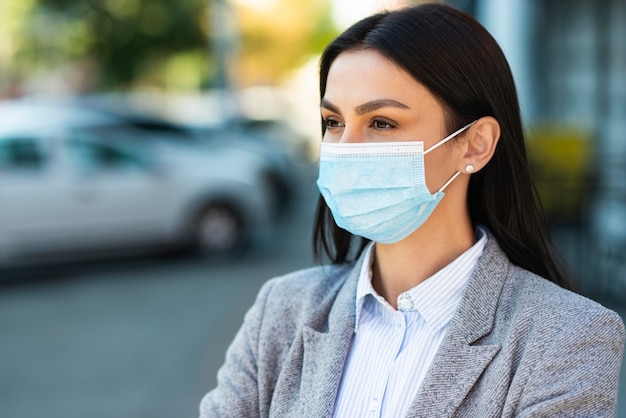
[76, 182]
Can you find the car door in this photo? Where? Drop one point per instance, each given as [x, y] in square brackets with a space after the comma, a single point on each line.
[30, 196]
[119, 195]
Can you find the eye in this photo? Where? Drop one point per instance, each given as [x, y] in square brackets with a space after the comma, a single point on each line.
[331, 124]
[381, 124]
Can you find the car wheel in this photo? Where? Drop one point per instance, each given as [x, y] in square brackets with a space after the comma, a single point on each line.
[219, 229]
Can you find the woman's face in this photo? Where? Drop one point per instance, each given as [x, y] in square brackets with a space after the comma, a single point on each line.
[369, 98]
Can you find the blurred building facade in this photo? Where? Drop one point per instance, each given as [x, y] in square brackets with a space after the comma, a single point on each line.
[569, 61]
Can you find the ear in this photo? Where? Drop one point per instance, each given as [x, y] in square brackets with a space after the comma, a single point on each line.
[482, 139]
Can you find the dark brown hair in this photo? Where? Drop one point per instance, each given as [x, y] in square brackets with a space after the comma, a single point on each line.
[461, 64]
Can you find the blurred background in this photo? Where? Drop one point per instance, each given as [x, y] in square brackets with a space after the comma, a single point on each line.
[158, 164]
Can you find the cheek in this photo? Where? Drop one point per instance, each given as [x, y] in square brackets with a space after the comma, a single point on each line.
[330, 136]
[438, 168]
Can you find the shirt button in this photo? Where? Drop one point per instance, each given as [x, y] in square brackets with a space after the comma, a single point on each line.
[373, 405]
[405, 303]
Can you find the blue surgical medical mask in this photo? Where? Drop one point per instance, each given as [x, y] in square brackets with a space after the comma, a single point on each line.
[378, 190]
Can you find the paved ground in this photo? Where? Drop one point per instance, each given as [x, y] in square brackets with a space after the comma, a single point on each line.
[138, 338]
[134, 339]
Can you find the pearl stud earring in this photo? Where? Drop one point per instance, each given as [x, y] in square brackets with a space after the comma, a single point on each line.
[469, 168]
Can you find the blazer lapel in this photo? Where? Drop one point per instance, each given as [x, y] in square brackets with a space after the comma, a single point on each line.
[326, 347]
[461, 359]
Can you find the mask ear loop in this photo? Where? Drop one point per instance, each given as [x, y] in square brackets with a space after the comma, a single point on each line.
[443, 141]
[449, 137]
[450, 180]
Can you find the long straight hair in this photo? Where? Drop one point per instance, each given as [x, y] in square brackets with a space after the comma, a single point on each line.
[460, 63]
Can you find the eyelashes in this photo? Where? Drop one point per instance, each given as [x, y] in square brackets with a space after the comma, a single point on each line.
[382, 124]
[332, 123]
[379, 124]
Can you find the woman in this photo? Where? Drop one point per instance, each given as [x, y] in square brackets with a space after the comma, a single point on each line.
[444, 297]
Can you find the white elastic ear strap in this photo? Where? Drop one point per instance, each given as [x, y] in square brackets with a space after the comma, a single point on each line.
[447, 138]
[450, 180]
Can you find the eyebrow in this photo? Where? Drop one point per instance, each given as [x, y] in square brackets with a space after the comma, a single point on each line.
[366, 107]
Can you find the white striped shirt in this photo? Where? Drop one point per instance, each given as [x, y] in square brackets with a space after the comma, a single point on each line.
[392, 349]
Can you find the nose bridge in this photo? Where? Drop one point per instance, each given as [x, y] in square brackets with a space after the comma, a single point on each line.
[352, 135]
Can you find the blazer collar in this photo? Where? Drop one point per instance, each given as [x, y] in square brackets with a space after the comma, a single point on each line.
[326, 347]
[459, 362]
[461, 358]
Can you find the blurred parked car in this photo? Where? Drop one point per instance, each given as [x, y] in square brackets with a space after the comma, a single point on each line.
[269, 139]
[76, 181]
[283, 149]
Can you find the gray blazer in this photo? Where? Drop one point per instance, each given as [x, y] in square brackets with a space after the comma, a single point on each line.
[518, 345]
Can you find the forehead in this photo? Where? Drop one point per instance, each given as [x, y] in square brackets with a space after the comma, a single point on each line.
[359, 76]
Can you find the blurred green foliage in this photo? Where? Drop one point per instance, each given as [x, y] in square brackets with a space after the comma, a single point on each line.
[119, 44]
[125, 36]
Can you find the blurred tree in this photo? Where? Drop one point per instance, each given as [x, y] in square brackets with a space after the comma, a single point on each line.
[129, 39]
[119, 44]
[13, 15]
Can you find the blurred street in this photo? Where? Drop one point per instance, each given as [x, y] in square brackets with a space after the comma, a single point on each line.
[137, 338]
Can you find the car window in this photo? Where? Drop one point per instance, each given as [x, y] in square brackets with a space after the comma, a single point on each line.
[21, 154]
[93, 155]
[138, 133]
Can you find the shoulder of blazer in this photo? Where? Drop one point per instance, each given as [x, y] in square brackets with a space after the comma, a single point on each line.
[501, 294]
[306, 284]
[525, 307]
[304, 296]
[535, 293]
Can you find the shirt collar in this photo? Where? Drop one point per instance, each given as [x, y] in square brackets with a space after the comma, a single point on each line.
[436, 298]
[364, 285]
